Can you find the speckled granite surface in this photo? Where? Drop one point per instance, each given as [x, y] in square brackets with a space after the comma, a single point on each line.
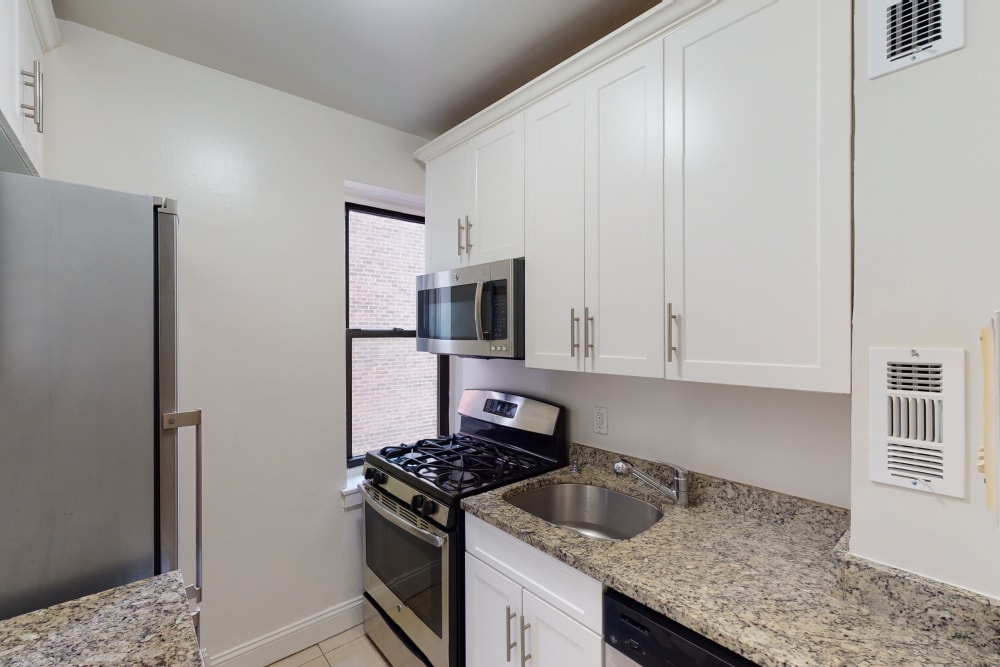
[751, 569]
[144, 623]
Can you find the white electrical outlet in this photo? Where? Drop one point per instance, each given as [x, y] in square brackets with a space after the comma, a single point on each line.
[601, 421]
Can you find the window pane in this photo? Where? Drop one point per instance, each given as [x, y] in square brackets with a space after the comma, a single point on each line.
[393, 393]
[385, 257]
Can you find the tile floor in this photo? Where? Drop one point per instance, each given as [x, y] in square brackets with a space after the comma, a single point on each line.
[348, 649]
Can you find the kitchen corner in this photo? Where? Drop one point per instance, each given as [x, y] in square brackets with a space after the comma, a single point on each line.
[757, 571]
[146, 622]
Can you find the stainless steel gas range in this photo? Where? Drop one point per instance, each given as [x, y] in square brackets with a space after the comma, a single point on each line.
[413, 530]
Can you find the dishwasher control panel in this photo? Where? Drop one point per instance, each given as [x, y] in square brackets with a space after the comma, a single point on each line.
[637, 635]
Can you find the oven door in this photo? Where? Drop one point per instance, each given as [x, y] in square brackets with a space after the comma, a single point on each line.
[407, 571]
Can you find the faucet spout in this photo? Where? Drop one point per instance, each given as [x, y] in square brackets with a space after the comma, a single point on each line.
[676, 490]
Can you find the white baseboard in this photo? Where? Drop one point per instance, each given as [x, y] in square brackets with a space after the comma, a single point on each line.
[292, 638]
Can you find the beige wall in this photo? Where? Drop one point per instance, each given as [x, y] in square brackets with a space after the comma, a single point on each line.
[927, 274]
[796, 442]
[259, 176]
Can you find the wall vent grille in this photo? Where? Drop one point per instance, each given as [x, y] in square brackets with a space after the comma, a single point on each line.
[905, 32]
[917, 433]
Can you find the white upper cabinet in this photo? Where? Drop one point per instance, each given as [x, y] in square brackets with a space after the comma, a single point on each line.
[475, 199]
[22, 82]
[758, 195]
[553, 230]
[594, 221]
[624, 213]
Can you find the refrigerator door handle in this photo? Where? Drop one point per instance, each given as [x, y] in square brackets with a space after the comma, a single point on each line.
[172, 421]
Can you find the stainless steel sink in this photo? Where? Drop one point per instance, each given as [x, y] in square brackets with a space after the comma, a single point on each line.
[590, 510]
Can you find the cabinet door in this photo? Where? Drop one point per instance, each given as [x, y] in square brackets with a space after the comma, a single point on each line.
[10, 67]
[553, 638]
[489, 597]
[624, 214]
[498, 219]
[553, 230]
[30, 51]
[449, 193]
[758, 219]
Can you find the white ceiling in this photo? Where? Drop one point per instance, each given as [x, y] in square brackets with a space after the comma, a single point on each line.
[421, 66]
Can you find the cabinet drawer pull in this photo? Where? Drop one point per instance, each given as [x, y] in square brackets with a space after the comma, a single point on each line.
[574, 332]
[510, 644]
[34, 111]
[468, 241]
[588, 333]
[525, 657]
[460, 246]
[671, 318]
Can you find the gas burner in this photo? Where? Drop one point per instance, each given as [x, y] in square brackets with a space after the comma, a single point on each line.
[458, 480]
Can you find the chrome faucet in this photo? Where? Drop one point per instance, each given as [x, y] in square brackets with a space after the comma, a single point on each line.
[676, 491]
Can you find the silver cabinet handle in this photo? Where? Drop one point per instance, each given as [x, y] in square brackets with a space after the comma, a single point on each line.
[468, 241]
[671, 318]
[510, 644]
[34, 111]
[396, 520]
[588, 337]
[574, 332]
[524, 656]
[460, 246]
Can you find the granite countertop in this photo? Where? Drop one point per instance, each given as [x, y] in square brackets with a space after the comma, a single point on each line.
[751, 569]
[143, 623]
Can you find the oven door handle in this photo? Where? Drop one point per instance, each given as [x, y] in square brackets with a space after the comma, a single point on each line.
[400, 522]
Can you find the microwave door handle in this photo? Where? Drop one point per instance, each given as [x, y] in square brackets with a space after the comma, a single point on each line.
[400, 522]
[479, 311]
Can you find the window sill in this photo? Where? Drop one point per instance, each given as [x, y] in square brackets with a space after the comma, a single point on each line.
[350, 493]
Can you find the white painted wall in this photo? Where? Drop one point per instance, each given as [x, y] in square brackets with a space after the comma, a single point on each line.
[927, 274]
[795, 442]
[259, 176]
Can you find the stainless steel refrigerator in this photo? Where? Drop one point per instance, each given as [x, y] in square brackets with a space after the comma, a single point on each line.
[88, 492]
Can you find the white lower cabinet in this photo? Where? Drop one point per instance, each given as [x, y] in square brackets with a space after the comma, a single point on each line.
[523, 607]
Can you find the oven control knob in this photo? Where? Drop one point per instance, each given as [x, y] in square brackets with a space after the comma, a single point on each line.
[376, 476]
[428, 508]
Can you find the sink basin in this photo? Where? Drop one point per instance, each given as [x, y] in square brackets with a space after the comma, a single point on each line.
[590, 510]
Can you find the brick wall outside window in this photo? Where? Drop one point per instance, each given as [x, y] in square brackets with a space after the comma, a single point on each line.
[393, 387]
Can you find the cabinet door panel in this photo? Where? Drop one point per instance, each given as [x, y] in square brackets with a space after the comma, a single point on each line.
[30, 50]
[498, 220]
[758, 111]
[624, 226]
[554, 214]
[488, 595]
[553, 638]
[448, 203]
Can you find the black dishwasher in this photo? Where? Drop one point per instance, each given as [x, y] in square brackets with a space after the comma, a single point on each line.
[637, 635]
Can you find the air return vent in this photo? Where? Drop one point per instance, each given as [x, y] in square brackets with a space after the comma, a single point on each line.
[917, 419]
[905, 32]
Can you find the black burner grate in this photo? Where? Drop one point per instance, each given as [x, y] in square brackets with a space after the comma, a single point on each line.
[459, 463]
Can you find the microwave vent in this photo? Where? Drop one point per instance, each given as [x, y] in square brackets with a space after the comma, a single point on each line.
[906, 32]
[917, 419]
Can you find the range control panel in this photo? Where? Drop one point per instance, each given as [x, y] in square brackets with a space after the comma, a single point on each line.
[500, 408]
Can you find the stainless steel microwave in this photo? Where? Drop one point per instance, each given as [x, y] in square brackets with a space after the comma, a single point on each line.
[473, 311]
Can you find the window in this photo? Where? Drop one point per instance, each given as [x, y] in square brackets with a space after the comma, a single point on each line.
[394, 393]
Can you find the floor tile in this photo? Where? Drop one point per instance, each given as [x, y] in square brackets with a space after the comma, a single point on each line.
[318, 662]
[345, 637]
[358, 653]
[301, 658]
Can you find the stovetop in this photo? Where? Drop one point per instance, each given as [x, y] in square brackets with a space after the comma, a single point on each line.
[504, 438]
[459, 463]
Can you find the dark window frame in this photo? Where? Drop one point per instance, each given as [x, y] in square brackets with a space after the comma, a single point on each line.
[352, 334]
